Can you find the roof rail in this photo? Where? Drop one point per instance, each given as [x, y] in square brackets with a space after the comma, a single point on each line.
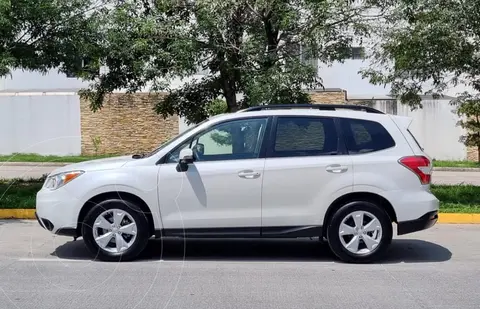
[329, 107]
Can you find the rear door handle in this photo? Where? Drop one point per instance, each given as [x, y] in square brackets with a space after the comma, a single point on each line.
[336, 168]
[248, 174]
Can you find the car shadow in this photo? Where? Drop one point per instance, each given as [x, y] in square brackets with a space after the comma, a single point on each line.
[271, 250]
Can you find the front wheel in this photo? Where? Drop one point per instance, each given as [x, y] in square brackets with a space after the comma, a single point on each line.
[115, 230]
[360, 232]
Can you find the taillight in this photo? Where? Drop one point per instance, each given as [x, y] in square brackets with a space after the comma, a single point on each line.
[420, 165]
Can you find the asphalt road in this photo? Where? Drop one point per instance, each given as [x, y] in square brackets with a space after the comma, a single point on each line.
[438, 268]
[439, 177]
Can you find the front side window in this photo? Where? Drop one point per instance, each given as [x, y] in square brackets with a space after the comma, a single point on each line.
[305, 136]
[233, 140]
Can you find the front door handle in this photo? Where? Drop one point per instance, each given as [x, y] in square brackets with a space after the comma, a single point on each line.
[336, 168]
[248, 174]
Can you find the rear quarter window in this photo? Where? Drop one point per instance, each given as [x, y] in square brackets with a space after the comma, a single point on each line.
[365, 136]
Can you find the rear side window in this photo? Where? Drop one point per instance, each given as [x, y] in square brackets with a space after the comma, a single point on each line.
[304, 136]
[364, 136]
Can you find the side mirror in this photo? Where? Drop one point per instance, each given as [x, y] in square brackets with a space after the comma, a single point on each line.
[186, 157]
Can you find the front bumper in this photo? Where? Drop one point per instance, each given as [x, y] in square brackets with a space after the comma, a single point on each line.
[46, 224]
[57, 211]
[424, 222]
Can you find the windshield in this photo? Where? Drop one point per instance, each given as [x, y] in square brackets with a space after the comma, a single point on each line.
[175, 138]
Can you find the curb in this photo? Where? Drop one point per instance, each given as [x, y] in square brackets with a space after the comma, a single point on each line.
[456, 169]
[52, 164]
[453, 218]
[445, 218]
[17, 213]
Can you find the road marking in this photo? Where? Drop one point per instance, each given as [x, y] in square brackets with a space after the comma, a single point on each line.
[50, 260]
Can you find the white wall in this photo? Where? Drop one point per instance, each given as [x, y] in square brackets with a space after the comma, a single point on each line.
[43, 124]
[345, 75]
[434, 126]
[26, 80]
[53, 81]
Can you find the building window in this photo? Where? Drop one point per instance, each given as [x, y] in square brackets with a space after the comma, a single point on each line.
[357, 53]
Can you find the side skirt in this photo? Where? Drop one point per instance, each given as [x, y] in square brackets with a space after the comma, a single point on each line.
[243, 232]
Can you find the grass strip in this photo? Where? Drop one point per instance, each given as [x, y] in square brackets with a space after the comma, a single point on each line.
[31, 157]
[463, 164]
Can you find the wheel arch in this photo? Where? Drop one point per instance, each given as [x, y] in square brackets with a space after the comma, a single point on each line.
[115, 195]
[359, 196]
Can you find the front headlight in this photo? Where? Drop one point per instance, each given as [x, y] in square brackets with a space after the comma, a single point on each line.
[56, 181]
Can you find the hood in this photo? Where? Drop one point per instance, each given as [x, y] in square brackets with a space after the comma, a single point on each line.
[95, 165]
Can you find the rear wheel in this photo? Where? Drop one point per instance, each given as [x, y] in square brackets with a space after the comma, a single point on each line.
[115, 230]
[360, 232]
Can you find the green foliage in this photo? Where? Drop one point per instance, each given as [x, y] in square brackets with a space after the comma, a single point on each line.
[457, 194]
[468, 109]
[43, 34]
[33, 157]
[252, 50]
[217, 107]
[96, 141]
[19, 195]
[427, 46]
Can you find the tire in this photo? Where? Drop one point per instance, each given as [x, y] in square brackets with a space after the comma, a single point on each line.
[378, 240]
[135, 237]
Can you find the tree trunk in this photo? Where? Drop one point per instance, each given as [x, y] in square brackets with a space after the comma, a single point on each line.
[478, 153]
[231, 98]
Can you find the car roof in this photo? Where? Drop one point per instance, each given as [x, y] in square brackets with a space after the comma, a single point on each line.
[304, 112]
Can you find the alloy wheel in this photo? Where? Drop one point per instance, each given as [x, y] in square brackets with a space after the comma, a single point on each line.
[360, 232]
[114, 230]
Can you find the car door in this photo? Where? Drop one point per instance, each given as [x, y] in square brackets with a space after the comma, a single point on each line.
[306, 169]
[221, 191]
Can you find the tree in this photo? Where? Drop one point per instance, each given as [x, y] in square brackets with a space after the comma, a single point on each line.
[468, 109]
[429, 46]
[43, 34]
[252, 49]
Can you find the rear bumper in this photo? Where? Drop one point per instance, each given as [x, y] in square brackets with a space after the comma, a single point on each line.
[424, 222]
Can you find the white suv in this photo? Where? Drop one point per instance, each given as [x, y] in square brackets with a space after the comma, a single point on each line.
[342, 173]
